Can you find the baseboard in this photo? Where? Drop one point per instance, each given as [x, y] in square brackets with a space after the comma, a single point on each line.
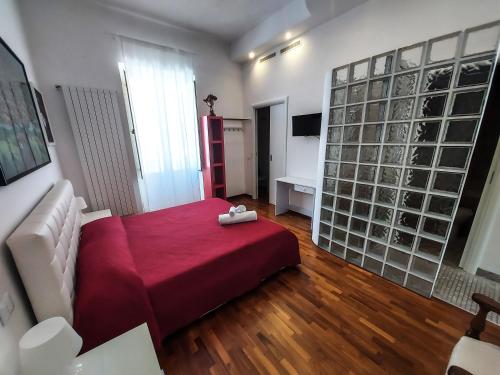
[300, 210]
[489, 275]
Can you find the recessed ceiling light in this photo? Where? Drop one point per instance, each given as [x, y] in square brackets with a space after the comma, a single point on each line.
[288, 35]
[251, 55]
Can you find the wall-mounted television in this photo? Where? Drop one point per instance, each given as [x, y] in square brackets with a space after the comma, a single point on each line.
[305, 125]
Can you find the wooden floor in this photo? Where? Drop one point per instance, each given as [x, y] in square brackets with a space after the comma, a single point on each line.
[323, 317]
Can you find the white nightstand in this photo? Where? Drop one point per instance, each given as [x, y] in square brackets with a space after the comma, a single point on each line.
[132, 353]
[94, 215]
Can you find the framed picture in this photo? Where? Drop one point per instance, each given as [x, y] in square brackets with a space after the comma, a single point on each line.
[22, 145]
[44, 118]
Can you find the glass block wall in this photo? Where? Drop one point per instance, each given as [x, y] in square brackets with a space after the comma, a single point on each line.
[401, 132]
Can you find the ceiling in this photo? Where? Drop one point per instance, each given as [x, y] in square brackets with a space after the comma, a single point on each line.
[225, 19]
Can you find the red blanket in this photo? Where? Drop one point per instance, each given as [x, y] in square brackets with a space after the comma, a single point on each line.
[187, 262]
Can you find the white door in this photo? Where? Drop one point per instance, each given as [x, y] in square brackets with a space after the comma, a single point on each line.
[277, 147]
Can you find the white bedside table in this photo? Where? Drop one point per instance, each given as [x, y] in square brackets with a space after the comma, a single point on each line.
[131, 353]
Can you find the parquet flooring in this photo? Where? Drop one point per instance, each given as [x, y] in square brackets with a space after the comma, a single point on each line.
[323, 317]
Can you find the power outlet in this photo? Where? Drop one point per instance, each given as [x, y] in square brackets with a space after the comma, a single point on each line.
[6, 308]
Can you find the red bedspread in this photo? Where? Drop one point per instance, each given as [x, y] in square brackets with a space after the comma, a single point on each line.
[187, 262]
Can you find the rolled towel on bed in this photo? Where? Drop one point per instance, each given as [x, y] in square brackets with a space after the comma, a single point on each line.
[242, 217]
[237, 210]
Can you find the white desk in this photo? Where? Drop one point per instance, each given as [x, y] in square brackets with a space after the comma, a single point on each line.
[131, 353]
[298, 184]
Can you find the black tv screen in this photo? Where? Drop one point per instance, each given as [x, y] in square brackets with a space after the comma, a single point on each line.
[305, 125]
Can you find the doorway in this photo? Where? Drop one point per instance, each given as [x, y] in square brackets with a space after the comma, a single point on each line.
[270, 147]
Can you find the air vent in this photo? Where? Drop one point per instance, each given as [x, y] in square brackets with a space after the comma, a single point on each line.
[268, 57]
[289, 47]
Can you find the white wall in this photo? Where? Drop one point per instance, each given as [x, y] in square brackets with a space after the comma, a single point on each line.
[16, 201]
[72, 42]
[234, 150]
[372, 28]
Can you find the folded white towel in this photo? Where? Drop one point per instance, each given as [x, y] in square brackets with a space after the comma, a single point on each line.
[237, 210]
[242, 217]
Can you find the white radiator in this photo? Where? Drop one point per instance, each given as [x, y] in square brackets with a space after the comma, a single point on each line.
[98, 131]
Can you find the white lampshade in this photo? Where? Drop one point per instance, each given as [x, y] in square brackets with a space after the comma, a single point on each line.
[49, 348]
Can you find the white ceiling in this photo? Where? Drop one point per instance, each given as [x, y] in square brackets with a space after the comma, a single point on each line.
[226, 19]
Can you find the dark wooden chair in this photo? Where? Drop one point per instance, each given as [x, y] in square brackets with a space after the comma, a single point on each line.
[486, 304]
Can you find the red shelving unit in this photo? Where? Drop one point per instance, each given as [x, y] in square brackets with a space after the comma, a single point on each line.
[213, 164]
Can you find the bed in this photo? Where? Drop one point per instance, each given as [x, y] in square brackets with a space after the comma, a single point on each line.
[166, 268]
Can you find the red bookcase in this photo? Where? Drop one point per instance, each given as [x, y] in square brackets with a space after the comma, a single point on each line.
[213, 164]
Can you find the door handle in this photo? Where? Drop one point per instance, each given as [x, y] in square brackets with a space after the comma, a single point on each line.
[270, 157]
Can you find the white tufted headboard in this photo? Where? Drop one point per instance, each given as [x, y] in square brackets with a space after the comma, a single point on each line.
[45, 248]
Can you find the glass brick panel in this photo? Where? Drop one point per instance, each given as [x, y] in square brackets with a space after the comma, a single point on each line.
[407, 220]
[361, 209]
[411, 200]
[453, 157]
[372, 265]
[379, 231]
[389, 176]
[431, 106]
[364, 192]
[392, 154]
[375, 112]
[327, 200]
[372, 133]
[337, 97]
[424, 268]
[405, 84]
[356, 93]
[435, 227]
[425, 131]
[382, 65]
[467, 103]
[343, 204]
[351, 134]
[441, 205]
[421, 156]
[331, 169]
[347, 170]
[349, 153]
[368, 154]
[323, 243]
[336, 116]
[340, 220]
[395, 275]
[333, 135]
[358, 225]
[430, 248]
[483, 39]
[460, 131]
[410, 57]
[416, 178]
[339, 76]
[401, 109]
[354, 114]
[353, 257]
[345, 188]
[324, 230]
[386, 195]
[382, 214]
[359, 71]
[397, 133]
[442, 49]
[375, 249]
[338, 235]
[326, 215]
[397, 258]
[402, 239]
[366, 173]
[356, 242]
[447, 181]
[329, 185]
[337, 249]
[332, 152]
[436, 79]
[419, 285]
[475, 72]
[378, 89]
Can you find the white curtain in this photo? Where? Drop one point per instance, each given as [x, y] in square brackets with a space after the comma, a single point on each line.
[162, 95]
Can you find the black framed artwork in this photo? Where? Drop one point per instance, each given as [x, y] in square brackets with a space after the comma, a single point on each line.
[44, 118]
[22, 145]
